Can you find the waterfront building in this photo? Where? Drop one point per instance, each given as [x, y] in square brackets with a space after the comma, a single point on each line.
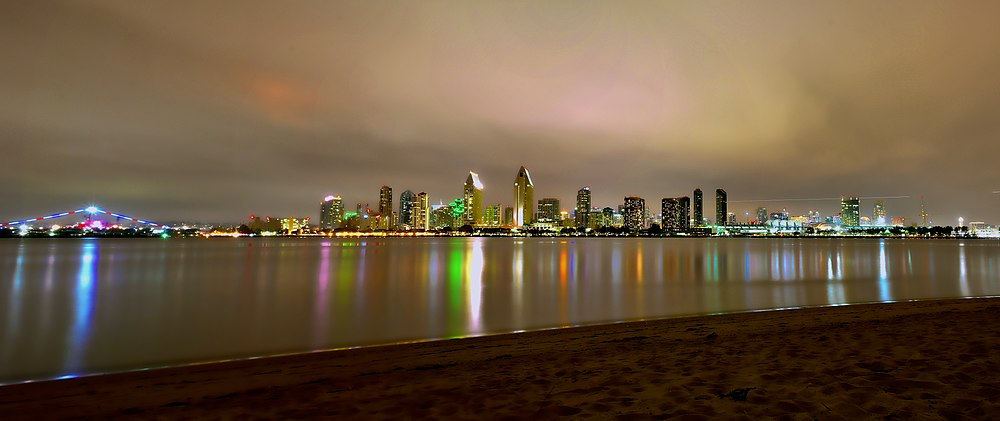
[508, 216]
[609, 217]
[473, 196]
[582, 211]
[420, 208]
[548, 209]
[721, 207]
[385, 208]
[493, 216]
[633, 213]
[762, 215]
[850, 211]
[878, 214]
[699, 214]
[406, 210]
[524, 192]
[676, 213]
[294, 225]
[331, 213]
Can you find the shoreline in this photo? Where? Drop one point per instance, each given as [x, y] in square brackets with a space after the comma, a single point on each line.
[903, 359]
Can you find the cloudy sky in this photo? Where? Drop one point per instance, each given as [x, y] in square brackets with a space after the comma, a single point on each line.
[212, 110]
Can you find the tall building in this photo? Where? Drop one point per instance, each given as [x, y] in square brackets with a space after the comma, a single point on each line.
[508, 216]
[878, 215]
[762, 215]
[493, 216]
[582, 212]
[548, 210]
[850, 211]
[524, 198]
[721, 207]
[405, 210]
[634, 213]
[609, 217]
[676, 213]
[473, 196]
[385, 207]
[420, 212]
[699, 214]
[331, 212]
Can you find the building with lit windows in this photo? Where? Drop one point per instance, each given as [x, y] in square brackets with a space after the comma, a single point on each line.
[331, 213]
[676, 214]
[582, 210]
[698, 208]
[850, 211]
[524, 198]
[762, 215]
[493, 216]
[420, 212]
[721, 207]
[405, 216]
[473, 196]
[878, 213]
[385, 208]
[548, 210]
[634, 212]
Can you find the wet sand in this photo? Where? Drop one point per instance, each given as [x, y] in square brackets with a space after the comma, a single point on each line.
[917, 360]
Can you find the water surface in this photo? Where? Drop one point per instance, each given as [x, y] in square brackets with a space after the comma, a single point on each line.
[80, 306]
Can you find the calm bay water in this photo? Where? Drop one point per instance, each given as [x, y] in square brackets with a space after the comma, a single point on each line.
[80, 306]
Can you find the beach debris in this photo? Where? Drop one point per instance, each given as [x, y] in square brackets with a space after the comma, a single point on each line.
[737, 394]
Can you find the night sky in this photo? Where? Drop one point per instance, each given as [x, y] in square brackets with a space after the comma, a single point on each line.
[212, 110]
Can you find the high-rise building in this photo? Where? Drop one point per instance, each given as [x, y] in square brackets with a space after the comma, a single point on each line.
[699, 214]
[609, 216]
[473, 196]
[582, 211]
[762, 215]
[548, 210]
[493, 216]
[721, 207]
[850, 211]
[508, 216]
[731, 218]
[406, 210]
[676, 213]
[421, 210]
[331, 212]
[524, 192]
[634, 213]
[878, 215]
[385, 207]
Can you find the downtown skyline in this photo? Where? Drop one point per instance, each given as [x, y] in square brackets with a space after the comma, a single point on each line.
[150, 109]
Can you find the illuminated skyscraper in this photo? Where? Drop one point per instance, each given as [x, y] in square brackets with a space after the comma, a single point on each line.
[524, 198]
[508, 216]
[406, 210]
[582, 211]
[676, 213]
[878, 215]
[331, 212]
[493, 216]
[548, 209]
[721, 207]
[385, 207]
[420, 212]
[634, 212]
[850, 211]
[473, 197]
[699, 214]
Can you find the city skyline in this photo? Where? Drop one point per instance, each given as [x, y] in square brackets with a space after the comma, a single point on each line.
[149, 108]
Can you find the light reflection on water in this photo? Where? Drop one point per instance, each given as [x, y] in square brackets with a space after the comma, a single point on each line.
[72, 307]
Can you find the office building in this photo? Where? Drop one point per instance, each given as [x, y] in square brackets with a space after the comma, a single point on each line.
[878, 214]
[405, 210]
[385, 208]
[762, 216]
[420, 212]
[548, 210]
[508, 216]
[582, 210]
[676, 213]
[850, 211]
[699, 214]
[524, 198]
[473, 196]
[721, 207]
[634, 212]
[331, 213]
[493, 216]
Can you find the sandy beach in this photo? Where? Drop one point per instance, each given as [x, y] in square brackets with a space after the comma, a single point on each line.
[914, 360]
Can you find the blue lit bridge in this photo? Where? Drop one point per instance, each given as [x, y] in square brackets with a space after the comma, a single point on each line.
[89, 213]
